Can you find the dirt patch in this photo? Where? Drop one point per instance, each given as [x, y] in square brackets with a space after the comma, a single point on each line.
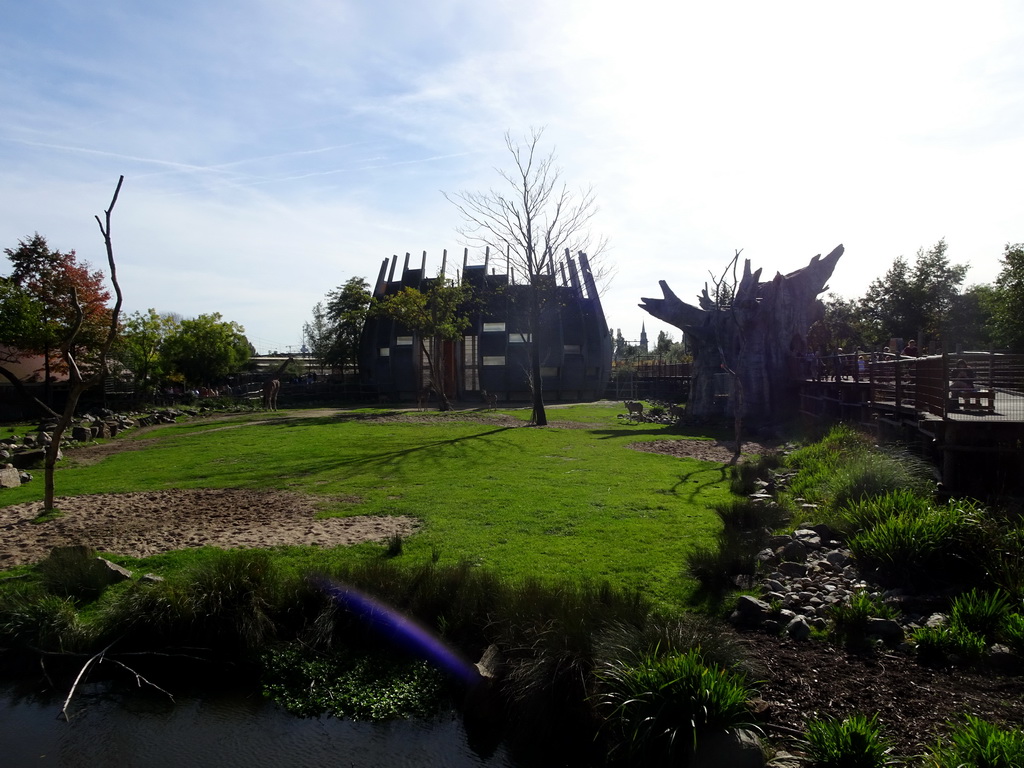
[705, 450]
[809, 680]
[148, 523]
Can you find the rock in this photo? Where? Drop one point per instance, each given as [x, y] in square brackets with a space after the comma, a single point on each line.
[112, 572]
[736, 748]
[10, 477]
[81, 434]
[888, 630]
[798, 628]
[792, 569]
[794, 552]
[808, 538]
[750, 611]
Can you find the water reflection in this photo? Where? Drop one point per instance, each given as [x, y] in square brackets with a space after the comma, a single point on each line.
[222, 730]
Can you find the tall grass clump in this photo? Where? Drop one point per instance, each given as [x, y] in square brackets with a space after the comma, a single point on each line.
[228, 600]
[746, 475]
[33, 619]
[850, 618]
[867, 512]
[73, 572]
[854, 742]
[978, 744]
[944, 545]
[746, 525]
[846, 466]
[982, 612]
[660, 707]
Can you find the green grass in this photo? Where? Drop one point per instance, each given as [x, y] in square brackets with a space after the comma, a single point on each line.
[979, 744]
[855, 742]
[569, 502]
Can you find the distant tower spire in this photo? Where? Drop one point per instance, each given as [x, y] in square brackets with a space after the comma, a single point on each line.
[643, 338]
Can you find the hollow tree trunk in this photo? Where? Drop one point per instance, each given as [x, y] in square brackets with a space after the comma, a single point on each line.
[755, 336]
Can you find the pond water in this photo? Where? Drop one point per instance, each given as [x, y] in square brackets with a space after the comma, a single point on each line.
[219, 730]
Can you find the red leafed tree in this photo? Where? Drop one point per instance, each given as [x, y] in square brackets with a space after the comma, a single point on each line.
[50, 278]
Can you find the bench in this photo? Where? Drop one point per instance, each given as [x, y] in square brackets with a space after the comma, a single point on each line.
[973, 399]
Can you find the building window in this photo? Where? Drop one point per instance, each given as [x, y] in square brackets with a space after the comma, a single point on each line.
[403, 341]
[493, 360]
[547, 371]
[519, 338]
[494, 327]
[470, 370]
[385, 351]
[572, 349]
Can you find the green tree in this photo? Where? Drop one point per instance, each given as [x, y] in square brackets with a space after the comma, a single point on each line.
[205, 349]
[915, 302]
[347, 309]
[140, 341]
[319, 336]
[532, 224]
[436, 315]
[1007, 301]
[844, 325]
[61, 287]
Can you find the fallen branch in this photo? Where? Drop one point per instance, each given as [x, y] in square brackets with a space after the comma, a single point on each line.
[78, 679]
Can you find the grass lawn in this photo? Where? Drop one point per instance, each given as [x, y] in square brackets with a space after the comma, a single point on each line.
[570, 501]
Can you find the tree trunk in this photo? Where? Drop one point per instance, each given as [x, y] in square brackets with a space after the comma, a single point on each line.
[540, 417]
[756, 337]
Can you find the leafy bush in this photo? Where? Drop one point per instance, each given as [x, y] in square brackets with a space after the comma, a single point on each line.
[661, 706]
[855, 742]
[979, 744]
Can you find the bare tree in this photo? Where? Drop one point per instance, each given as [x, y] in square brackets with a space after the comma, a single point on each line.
[532, 222]
[97, 367]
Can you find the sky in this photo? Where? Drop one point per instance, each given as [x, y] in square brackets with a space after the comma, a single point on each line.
[271, 150]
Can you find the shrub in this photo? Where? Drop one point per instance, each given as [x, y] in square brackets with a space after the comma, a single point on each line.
[228, 600]
[865, 513]
[734, 556]
[661, 706]
[1013, 632]
[939, 645]
[850, 618]
[749, 515]
[855, 742]
[979, 744]
[983, 613]
[73, 572]
[30, 618]
[876, 473]
[943, 546]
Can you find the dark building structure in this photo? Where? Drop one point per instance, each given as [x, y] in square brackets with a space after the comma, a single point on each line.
[494, 352]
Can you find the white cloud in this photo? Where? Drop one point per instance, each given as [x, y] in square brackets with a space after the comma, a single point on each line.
[272, 151]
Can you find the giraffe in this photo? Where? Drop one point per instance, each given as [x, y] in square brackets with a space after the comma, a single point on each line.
[272, 385]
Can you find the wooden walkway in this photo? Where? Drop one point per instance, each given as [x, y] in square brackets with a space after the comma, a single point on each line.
[968, 416]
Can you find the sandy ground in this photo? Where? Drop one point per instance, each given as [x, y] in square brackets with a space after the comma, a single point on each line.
[147, 523]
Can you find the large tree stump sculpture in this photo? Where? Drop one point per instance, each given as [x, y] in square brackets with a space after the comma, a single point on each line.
[747, 343]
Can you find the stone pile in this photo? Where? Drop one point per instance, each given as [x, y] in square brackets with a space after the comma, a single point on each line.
[809, 572]
[18, 454]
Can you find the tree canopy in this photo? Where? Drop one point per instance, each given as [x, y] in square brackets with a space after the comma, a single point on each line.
[207, 348]
[914, 301]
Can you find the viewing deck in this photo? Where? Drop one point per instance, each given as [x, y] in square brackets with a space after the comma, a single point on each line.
[954, 406]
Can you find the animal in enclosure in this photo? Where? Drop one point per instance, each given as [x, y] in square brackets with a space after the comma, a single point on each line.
[490, 399]
[423, 397]
[271, 388]
[635, 409]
